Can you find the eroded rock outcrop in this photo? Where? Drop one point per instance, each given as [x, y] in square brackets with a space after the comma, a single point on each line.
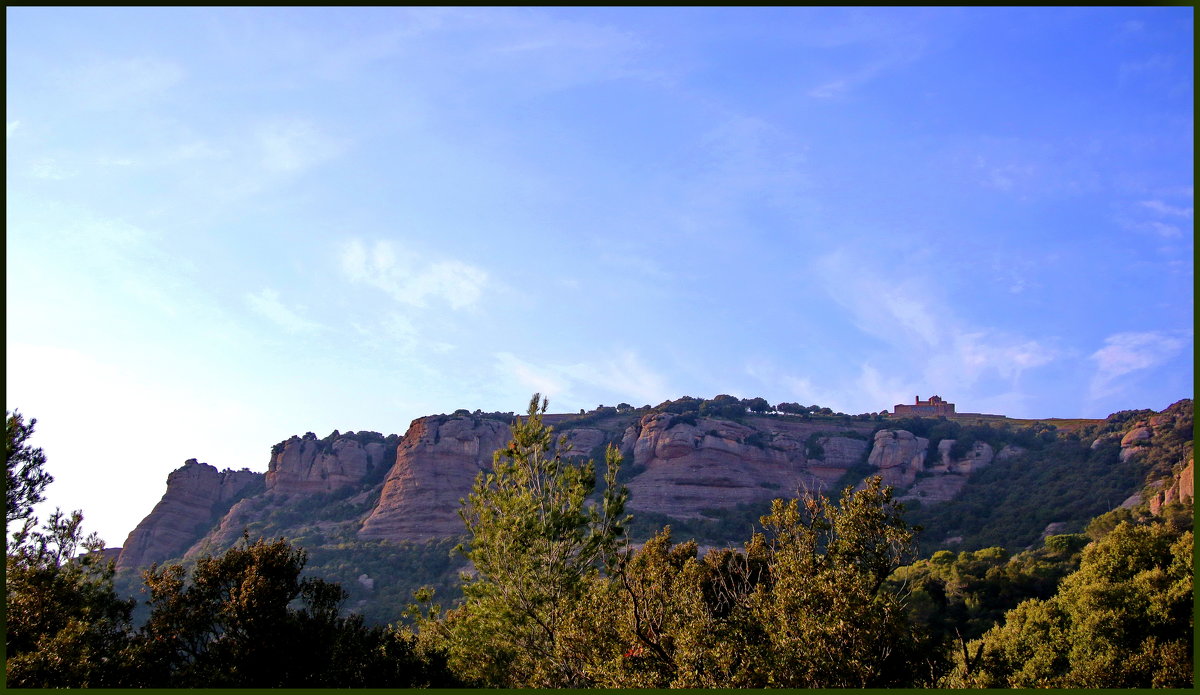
[678, 465]
[436, 464]
[1009, 451]
[898, 455]
[696, 463]
[684, 464]
[308, 465]
[948, 475]
[1135, 441]
[1180, 488]
[837, 455]
[195, 497]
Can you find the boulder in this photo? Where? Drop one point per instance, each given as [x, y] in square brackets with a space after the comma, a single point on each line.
[1137, 436]
[980, 456]
[898, 455]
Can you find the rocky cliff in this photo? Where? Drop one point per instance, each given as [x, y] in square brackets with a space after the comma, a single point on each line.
[898, 456]
[1163, 443]
[368, 487]
[436, 464]
[687, 465]
[1180, 488]
[903, 461]
[196, 496]
[307, 465]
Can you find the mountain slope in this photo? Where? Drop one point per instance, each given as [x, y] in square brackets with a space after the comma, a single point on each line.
[364, 504]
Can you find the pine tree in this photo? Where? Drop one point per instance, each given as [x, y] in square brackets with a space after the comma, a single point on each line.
[536, 538]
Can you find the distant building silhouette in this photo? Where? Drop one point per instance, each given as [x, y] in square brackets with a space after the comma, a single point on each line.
[933, 407]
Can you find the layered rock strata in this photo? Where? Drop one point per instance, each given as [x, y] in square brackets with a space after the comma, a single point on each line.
[304, 466]
[689, 465]
[195, 495]
[685, 465]
[436, 465]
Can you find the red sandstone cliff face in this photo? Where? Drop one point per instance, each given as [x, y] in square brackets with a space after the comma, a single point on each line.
[719, 464]
[194, 493]
[1160, 440]
[1181, 488]
[684, 468]
[682, 464]
[436, 464]
[302, 466]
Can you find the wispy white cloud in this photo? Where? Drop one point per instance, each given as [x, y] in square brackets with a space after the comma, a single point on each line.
[410, 279]
[1125, 353]
[889, 44]
[623, 376]
[885, 389]
[1131, 28]
[841, 86]
[292, 146]
[549, 382]
[1165, 209]
[11, 127]
[802, 390]
[1138, 68]
[923, 333]
[121, 82]
[742, 162]
[1162, 229]
[969, 355]
[267, 304]
[197, 150]
[1005, 176]
[50, 169]
[897, 311]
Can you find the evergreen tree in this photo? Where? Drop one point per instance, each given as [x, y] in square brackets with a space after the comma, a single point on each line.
[65, 625]
[25, 478]
[801, 605]
[1123, 620]
[246, 619]
[536, 538]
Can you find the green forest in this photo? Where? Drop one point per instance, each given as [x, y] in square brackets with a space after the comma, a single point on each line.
[568, 590]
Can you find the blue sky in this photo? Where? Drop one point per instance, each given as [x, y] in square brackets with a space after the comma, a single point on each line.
[228, 226]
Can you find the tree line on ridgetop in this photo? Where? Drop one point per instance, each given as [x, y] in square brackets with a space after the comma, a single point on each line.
[828, 593]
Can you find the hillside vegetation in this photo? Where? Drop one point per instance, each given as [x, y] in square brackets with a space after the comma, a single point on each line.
[1059, 481]
[1065, 563]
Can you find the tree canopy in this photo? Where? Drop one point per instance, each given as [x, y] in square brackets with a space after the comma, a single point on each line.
[25, 477]
[535, 538]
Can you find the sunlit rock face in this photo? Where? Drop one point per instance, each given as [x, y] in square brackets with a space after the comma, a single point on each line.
[947, 475]
[1180, 488]
[689, 465]
[436, 465]
[682, 468]
[898, 456]
[307, 465]
[194, 493]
